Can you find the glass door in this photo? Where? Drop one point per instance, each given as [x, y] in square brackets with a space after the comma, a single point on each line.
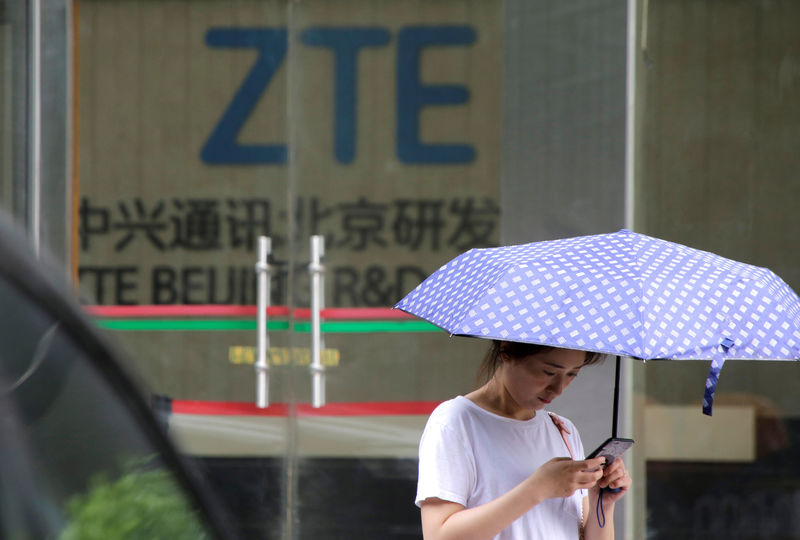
[394, 111]
[362, 139]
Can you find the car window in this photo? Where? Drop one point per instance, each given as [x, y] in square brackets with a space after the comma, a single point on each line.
[74, 461]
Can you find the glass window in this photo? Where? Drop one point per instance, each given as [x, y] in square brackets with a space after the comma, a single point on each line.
[718, 97]
[405, 132]
[35, 131]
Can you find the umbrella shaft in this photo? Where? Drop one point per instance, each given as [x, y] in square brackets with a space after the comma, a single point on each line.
[615, 417]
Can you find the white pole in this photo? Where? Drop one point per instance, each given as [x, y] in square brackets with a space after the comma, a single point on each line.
[261, 366]
[630, 116]
[35, 126]
[317, 369]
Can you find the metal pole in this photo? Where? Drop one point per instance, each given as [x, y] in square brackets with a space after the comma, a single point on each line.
[35, 126]
[317, 369]
[616, 401]
[261, 366]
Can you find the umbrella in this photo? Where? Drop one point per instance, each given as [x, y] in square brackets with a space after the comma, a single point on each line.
[623, 294]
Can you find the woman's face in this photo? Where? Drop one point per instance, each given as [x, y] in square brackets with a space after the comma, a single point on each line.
[533, 382]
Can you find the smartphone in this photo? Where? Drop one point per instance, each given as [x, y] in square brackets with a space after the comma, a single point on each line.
[611, 449]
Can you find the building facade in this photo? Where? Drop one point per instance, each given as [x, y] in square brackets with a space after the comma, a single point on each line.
[147, 145]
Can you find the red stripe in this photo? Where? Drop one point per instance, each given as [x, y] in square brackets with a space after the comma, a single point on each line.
[364, 314]
[227, 408]
[210, 310]
[377, 408]
[213, 310]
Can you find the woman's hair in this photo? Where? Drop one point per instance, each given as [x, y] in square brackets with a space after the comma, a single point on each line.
[517, 351]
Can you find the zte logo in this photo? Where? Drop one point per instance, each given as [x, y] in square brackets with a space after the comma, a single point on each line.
[345, 43]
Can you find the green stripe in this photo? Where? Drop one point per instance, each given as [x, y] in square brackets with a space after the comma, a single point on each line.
[340, 327]
[366, 327]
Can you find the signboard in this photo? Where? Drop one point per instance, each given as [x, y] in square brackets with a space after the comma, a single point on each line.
[204, 125]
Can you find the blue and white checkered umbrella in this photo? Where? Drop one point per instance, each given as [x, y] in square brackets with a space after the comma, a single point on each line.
[621, 293]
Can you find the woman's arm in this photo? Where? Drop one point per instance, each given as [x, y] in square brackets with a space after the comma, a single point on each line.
[559, 477]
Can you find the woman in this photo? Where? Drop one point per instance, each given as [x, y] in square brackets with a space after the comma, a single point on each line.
[494, 464]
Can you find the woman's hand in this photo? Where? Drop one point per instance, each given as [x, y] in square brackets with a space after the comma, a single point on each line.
[614, 476]
[561, 477]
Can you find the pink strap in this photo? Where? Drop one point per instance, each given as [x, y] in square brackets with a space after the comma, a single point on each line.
[563, 430]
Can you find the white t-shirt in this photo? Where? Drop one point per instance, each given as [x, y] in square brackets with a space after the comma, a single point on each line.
[471, 456]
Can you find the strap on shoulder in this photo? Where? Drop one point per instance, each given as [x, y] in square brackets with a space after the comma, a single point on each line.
[562, 429]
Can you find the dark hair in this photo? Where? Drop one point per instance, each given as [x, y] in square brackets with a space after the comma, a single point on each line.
[517, 351]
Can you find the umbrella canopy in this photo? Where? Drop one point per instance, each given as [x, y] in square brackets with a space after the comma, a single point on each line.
[620, 293]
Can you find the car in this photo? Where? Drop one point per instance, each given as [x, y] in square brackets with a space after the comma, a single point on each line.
[82, 452]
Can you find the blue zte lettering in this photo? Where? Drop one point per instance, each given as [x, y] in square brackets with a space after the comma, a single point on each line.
[412, 95]
[222, 147]
[345, 44]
